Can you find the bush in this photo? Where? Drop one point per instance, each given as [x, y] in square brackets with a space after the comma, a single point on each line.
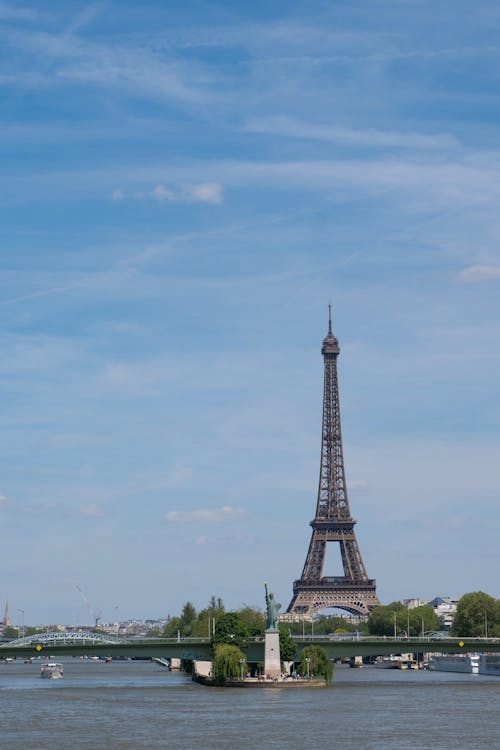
[319, 663]
[227, 663]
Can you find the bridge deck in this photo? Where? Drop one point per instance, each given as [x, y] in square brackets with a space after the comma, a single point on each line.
[199, 648]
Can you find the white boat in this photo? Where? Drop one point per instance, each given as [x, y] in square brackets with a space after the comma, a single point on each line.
[52, 671]
[490, 664]
[465, 663]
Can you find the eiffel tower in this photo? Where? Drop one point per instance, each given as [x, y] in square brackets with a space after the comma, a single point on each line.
[354, 591]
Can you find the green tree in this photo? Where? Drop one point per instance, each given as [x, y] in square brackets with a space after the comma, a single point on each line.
[230, 629]
[395, 616]
[477, 614]
[319, 665]
[423, 617]
[10, 632]
[29, 630]
[323, 625]
[326, 624]
[288, 647]
[384, 620]
[188, 617]
[172, 628]
[228, 663]
[254, 619]
[182, 625]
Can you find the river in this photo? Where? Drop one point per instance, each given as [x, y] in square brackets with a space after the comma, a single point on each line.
[132, 704]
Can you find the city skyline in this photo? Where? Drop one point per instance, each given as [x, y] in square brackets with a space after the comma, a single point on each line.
[184, 191]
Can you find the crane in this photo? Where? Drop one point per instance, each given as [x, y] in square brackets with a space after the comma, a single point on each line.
[95, 614]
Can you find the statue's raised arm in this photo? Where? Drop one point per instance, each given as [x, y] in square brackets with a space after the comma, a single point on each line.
[272, 607]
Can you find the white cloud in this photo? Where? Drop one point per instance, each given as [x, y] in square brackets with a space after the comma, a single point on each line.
[91, 510]
[161, 193]
[475, 274]
[198, 192]
[206, 515]
[118, 194]
[204, 192]
[3, 501]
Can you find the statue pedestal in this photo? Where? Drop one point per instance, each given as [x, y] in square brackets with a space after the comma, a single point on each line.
[272, 663]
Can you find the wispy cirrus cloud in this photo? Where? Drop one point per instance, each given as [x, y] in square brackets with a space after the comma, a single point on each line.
[15, 13]
[128, 67]
[201, 192]
[478, 273]
[206, 515]
[293, 128]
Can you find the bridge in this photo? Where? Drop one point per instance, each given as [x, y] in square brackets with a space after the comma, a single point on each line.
[92, 644]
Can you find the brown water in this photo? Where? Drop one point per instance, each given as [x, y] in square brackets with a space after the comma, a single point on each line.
[140, 705]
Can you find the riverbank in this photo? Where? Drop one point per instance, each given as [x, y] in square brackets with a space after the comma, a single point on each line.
[262, 682]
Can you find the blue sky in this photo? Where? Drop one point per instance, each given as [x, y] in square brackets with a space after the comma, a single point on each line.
[184, 188]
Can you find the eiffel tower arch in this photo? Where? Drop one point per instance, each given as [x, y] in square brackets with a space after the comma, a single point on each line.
[354, 591]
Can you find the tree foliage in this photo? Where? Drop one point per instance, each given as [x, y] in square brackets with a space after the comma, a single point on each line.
[254, 619]
[228, 663]
[11, 632]
[230, 629]
[194, 624]
[396, 619]
[477, 614]
[384, 620]
[319, 664]
[288, 647]
[323, 625]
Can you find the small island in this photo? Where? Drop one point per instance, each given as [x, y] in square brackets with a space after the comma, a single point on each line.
[229, 667]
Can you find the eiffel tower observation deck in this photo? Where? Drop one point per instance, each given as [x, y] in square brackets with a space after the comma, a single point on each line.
[353, 592]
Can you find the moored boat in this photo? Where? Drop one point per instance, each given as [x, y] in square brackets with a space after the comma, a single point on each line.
[52, 671]
[490, 664]
[388, 662]
[465, 663]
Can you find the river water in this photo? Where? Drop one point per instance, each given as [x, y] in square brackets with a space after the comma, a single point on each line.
[131, 704]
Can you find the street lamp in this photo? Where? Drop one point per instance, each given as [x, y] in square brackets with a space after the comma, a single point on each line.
[242, 661]
[22, 612]
[308, 661]
[485, 624]
[423, 628]
[395, 628]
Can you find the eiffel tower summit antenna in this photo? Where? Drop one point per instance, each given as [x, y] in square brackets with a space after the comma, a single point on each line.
[354, 591]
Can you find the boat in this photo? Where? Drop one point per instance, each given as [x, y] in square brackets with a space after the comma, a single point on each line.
[490, 664]
[160, 661]
[52, 671]
[408, 664]
[388, 662]
[464, 663]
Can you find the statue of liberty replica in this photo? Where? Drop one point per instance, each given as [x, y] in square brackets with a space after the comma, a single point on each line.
[272, 607]
[272, 661]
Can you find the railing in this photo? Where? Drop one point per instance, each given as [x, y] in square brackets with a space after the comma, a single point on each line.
[399, 638]
[333, 581]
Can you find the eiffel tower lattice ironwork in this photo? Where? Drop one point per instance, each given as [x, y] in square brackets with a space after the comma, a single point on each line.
[354, 591]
